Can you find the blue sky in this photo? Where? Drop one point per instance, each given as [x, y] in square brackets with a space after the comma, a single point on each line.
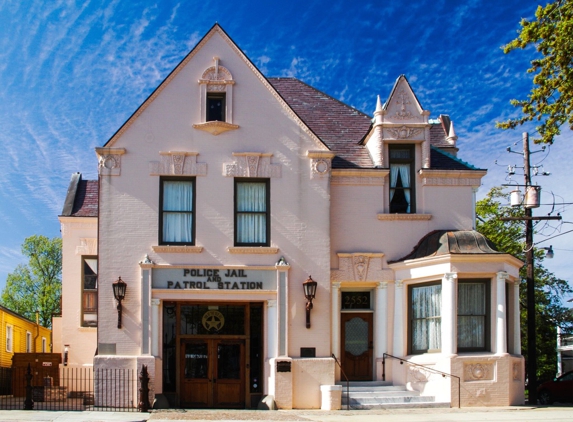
[72, 72]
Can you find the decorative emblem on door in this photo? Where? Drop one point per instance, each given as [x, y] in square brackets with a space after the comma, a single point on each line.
[213, 321]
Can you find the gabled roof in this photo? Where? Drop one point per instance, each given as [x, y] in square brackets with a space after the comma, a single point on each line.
[215, 29]
[338, 125]
[82, 198]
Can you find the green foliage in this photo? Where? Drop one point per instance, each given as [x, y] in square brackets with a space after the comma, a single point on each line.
[36, 286]
[551, 98]
[509, 236]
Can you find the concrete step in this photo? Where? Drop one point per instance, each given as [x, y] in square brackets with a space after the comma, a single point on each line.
[380, 395]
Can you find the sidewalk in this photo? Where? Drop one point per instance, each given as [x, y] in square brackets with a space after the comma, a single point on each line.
[493, 414]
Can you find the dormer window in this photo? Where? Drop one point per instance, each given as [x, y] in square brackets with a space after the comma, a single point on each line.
[216, 87]
[215, 107]
[402, 196]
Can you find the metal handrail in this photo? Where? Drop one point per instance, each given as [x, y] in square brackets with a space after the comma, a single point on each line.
[402, 361]
[347, 383]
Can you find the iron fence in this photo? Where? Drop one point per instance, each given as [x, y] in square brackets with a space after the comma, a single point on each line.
[47, 388]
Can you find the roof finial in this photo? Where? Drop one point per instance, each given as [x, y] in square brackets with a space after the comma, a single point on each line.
[216, 67]
[452, 137]
[378, 112]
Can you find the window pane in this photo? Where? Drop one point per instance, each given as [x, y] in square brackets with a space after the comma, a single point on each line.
[251, 228]
[251, 197]
[177, 227]
[177, 196]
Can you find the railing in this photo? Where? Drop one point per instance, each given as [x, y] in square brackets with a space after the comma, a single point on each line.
[426, 368]
[69, 389]
[347, 383]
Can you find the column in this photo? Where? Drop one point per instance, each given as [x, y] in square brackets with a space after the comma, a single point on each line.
[335, 319]
[155, 326]
[449, 314]
[500, 315]
[381, 334]
[282, 313]
[272, 326]
[145, 305]
[399, 332]
[516, 318]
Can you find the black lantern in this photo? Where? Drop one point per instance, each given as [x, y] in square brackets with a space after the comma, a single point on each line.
[119, 288]
[309, 293]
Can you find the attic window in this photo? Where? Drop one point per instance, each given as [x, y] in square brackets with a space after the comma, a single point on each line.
[216, 88]
[215, 107]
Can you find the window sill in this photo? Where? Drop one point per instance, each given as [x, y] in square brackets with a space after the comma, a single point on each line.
[177, 249]
[258, 250]
[215, 127]
[404, 217]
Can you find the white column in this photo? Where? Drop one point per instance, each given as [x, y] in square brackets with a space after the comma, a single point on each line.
[449, 314]
[272, 329]
[155, 326]
[399, 331]
[381, 334]
[500, 315]
[516, 320]
[335, 318]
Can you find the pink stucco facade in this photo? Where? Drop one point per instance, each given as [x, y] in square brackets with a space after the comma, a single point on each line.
[327, 216]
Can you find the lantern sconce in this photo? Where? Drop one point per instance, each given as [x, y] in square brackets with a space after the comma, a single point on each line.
[309, 293]
[119, 288]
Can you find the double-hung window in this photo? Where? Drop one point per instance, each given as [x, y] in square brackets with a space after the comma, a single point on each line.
[177, 217]
[472, 315]
[252, 216]
[28, 342]
[425, 309]
[402, 181]
[89, 292]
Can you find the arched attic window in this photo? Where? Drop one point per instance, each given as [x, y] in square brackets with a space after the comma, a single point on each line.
[216, 85]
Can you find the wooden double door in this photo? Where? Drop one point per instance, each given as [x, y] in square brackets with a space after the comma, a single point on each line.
[357, 346]
[212, 373]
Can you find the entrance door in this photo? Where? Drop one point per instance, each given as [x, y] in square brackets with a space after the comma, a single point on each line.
[357, 346]
[212, 373]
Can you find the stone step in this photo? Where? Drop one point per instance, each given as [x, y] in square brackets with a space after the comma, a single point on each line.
[381, 395]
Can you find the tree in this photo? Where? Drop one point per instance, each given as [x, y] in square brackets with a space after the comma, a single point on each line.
[36, 286]
[551, 99]
[509, 236]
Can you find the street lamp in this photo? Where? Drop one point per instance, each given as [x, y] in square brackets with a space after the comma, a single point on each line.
[309, 287]
[119, 288]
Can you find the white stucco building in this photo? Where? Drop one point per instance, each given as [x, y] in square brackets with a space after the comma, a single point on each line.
[226, 190]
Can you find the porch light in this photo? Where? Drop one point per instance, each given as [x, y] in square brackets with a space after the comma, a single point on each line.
[309, 293]
[119, 288]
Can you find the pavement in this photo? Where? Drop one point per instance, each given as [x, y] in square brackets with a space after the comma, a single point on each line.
[491, 414]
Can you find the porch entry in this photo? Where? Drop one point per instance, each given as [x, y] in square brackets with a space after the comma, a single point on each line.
[213, 354]
[357, 345]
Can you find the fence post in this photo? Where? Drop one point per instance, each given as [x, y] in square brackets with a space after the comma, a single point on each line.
[144, 390]
[29, 403]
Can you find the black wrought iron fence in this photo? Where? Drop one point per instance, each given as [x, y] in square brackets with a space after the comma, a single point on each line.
[69, 389]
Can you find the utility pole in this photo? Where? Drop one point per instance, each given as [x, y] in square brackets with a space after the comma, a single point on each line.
[531, 332]
[529, 261]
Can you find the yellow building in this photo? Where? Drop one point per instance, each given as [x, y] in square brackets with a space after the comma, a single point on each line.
[20, 335]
